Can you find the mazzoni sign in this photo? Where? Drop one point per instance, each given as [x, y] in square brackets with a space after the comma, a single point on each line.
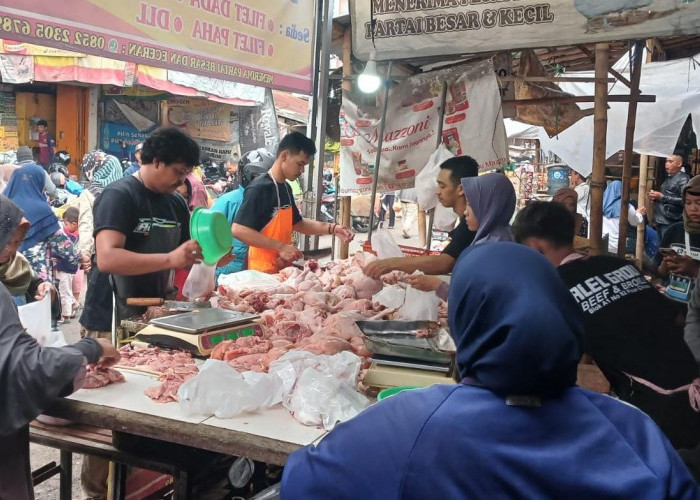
[268, 44]
[419, 28]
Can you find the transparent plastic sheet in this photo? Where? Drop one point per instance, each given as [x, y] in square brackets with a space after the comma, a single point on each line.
[426, 180]
[201, 281]
[318, 390]
[391, 296]
[250, 280]
[419, 305]
[385, 245]
[36, 319]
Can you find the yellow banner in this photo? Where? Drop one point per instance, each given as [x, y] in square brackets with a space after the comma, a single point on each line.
[268, 44]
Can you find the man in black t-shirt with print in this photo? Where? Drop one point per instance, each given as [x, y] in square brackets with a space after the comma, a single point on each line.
[269, 215]
[632, 332]
[450, 194]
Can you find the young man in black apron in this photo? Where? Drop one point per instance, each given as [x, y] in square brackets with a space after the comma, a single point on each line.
[141, 236]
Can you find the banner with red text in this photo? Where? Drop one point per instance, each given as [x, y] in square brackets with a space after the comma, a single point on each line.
[472, 125]
[420, 28]
[268, 44]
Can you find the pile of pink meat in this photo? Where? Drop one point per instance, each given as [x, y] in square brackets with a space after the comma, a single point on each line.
[313, 310]
[173, 368]
[99, 376]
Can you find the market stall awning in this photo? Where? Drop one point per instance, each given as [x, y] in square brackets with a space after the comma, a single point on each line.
[291, 107]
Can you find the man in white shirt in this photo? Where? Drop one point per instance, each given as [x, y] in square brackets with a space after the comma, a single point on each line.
[578, 183]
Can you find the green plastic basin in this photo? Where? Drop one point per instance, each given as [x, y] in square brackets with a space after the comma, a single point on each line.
[213, 233]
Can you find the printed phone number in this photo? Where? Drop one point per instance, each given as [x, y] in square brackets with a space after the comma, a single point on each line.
[49, 32]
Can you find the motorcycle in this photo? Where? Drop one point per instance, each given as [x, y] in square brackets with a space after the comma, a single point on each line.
[360, 207]
[328, 203]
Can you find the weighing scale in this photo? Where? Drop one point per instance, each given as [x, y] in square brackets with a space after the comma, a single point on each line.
[200, 331]
[400, 357]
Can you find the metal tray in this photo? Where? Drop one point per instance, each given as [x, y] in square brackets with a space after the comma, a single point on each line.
[398, 339]
[204, 320]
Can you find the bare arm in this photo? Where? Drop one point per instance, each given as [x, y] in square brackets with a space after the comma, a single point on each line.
[313, 227]
[429, 264]
[113, 258]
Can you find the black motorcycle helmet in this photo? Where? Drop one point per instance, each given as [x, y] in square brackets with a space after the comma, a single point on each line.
[58, 167]
[62, 157]
[212, 170]
[254, 163]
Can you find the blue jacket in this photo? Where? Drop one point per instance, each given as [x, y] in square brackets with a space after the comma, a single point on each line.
[228, 204]
[518, 333]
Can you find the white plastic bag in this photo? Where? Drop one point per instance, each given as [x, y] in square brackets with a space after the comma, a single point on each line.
[419, 306]
[392, 296]
[200, 282]
[426, 180]
[222, 391]
[36, 319]
[251, 280]
[445, 218]
[385, 245]
[320, 389]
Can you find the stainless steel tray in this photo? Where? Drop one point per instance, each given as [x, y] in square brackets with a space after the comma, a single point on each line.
[398, 339]
[204, 320]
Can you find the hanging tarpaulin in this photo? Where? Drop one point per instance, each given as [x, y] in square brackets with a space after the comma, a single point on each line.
[472, 125]
[269, 43]
[259, 127]
[418, 28]
[16, 69]
[200, 118]
[89, 69]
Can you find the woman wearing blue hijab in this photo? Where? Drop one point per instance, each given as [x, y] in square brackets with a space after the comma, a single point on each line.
[45, 239]
[612, 203]
[515, 427]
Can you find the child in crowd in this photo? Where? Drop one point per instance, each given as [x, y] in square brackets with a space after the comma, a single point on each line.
[66, 272]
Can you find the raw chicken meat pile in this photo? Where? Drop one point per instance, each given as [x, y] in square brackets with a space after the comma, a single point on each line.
[97, 377]
[312, 310]
[174, 367]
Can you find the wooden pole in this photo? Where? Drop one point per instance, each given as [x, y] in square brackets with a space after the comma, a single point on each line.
[431, 213]
[600, 132]
[345, 201]
[636, 73]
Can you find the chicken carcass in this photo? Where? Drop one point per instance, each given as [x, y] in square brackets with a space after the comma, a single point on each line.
[324, 344]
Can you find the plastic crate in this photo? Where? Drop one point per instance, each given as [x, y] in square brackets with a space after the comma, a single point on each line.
[407, 251]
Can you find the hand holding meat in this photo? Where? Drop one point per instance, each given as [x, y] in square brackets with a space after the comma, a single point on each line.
[110, 354]
[186, 255]
[345, 234]
[376, 269]
[290, 253]
[424, 283]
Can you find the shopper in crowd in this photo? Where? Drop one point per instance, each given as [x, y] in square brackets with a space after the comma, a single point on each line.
[45, 241]
[193, 192]
[633, 333]
[25, 157]
[679, 256]
[451, 195]
[66, 271]
[569, 198]
[101, 170]
[612, 204]
[31, 377]
[386, 205]
[579, 184]
[47, 144]
[668, 202]
[490, 206]
[409, 202]
[233, 175]
[254, 164]
[516, 425]
[6, 171]
[137, 164]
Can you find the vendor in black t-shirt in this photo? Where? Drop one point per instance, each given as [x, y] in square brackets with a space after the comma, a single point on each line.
[142, 226]
[633, 333]
[268, 214]
[679, 254]
[450, 194]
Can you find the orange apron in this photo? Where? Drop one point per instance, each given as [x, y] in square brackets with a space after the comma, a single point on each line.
[280, 228]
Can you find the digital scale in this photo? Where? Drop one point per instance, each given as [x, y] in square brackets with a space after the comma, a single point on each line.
[199, 331]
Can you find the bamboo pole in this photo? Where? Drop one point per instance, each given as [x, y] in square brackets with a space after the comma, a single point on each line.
[431, 213]
[345, 201]
[600, 132]
[636, 73]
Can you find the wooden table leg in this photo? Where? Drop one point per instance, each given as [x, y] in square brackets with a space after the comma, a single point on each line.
[119, 481]
[182, 486]
[66, 477]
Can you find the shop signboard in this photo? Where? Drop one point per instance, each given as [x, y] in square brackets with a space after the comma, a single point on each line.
[200, 118]
[422, 28]
[120, 140]
[269, 44]
[472, 125]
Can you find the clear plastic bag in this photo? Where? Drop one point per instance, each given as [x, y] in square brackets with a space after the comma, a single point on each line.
[36, 319]
[251, 280]
[385, 245]
[426, 180]
[419, 306]
[392, 296]
[201, 281]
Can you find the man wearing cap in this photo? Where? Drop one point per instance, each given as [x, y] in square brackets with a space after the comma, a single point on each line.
[24, 157]
[135, 166]
[269, 214]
